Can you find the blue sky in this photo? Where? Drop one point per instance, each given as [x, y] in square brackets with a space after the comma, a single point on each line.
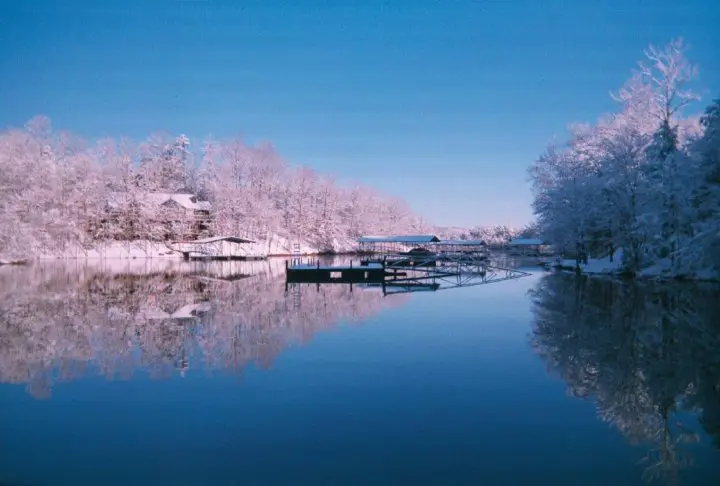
[444, 103]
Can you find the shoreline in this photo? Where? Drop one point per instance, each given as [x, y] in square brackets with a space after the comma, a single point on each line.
[637, 276]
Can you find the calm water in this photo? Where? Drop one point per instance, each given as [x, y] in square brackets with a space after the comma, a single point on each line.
[199, 374]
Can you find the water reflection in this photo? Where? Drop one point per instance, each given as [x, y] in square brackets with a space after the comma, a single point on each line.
[62, 322]
[645, 353]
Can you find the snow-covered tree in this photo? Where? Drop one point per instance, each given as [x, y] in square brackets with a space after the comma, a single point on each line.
[63, 194]
[634, 179]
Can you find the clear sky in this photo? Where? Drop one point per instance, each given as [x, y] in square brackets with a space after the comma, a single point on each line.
[442, 102]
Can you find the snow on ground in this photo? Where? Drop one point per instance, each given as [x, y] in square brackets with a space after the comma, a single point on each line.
[595, 266]
[113, 250]
[276, 245]
[661, 269]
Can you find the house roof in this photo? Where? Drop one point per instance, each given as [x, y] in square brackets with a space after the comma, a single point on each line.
[399, 239]
[526, 241]
[187, 201]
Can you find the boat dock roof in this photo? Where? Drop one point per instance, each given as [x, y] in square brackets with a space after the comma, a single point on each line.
[462, 243]
[526, 241]
[407, 239]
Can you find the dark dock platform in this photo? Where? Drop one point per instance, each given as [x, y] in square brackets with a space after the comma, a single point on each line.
[316, 273]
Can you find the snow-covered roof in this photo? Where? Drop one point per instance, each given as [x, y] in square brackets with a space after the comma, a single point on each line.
[214, 239]
[187, 201]
[399, 239]
[462, 242]
[526, 241]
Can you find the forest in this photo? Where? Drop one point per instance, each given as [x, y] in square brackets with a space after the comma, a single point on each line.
[65, 195]
[644, 179]
[62, 192]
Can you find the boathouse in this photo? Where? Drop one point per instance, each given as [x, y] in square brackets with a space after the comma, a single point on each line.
[395, 244]
[528, 247]
[214, 248]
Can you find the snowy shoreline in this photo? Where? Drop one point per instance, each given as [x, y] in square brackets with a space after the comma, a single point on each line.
[274, 246]
[605, 267]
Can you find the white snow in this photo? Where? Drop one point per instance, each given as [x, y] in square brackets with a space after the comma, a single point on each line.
[596, 265]
[115, 250]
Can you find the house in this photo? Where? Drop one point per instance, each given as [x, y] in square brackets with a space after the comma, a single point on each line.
[157, 216]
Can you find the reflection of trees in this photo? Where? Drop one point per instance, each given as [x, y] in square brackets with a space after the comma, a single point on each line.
[643, 351]
[59, 323]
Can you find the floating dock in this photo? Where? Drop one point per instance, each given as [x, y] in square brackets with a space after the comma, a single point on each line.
[317, 273]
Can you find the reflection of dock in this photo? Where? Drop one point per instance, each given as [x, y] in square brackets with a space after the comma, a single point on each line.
[402, 287]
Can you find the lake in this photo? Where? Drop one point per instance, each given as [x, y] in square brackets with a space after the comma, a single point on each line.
[155, 373]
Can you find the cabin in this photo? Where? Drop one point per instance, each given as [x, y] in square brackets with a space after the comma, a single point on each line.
[158, 216]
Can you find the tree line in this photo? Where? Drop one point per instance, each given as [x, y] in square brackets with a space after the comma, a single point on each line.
[645, 178]
[56, 187]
